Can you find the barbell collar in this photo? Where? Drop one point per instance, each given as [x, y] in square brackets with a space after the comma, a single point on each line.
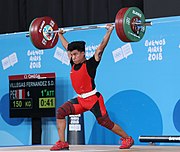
[143, 23]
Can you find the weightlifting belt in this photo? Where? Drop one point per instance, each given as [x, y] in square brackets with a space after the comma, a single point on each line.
[88, 94]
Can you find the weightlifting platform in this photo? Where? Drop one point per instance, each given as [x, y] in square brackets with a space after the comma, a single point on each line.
[92, 148]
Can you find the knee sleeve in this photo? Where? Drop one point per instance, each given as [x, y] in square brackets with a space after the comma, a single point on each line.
[65, 110]
[105, 122]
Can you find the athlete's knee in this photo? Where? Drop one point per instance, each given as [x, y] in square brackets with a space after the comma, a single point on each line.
[65, 110]
[106, 122]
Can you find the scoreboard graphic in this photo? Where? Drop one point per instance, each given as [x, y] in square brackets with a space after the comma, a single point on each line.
[32, 95]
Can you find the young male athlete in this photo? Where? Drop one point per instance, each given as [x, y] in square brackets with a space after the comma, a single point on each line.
[82, 76]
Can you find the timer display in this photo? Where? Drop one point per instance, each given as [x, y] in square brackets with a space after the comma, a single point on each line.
[32, 95]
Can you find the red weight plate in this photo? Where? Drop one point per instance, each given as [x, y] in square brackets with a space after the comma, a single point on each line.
[119, 24]
[38, 33]
[33, 31]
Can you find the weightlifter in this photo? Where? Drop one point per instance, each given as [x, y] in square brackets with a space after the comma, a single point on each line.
[82, 76]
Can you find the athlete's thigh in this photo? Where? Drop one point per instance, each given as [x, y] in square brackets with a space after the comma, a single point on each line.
[99, 108]
[77, 106]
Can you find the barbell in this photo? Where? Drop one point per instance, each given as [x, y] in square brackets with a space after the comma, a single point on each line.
[130, 26]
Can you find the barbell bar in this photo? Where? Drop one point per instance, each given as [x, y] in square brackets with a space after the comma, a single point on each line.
[92, 27]
[129, 23]
[96, 27]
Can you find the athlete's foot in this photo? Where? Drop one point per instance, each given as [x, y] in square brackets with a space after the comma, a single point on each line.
[59, 145]
[126, 143]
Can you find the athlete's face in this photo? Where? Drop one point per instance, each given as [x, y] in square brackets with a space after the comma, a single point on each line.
[77, 56]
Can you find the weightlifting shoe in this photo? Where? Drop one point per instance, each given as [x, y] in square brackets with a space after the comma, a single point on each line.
[126, 143]
[59, 145]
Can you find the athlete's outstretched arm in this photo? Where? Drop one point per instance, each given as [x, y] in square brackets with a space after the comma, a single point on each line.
[64, 41]
[99, 51]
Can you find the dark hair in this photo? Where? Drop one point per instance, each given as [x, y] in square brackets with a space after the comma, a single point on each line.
[77, 45]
